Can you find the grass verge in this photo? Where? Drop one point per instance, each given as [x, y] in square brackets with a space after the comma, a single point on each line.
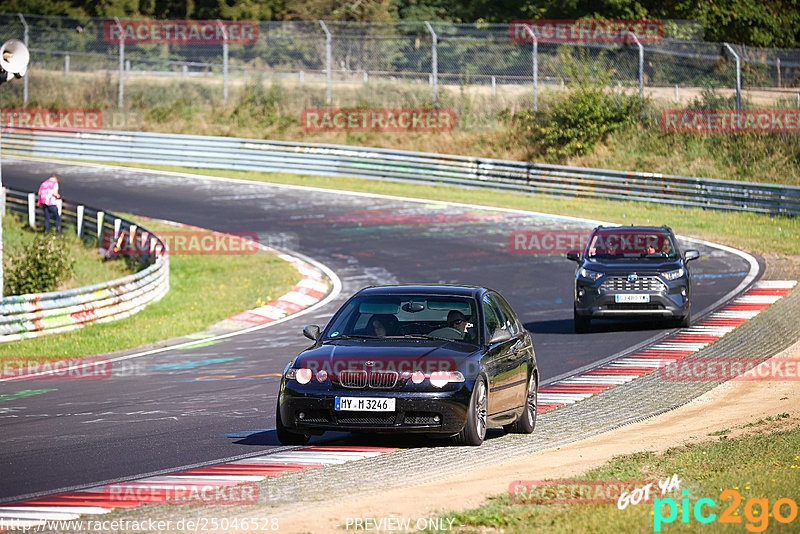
[89, 267]
[762, 465]
[204, 289]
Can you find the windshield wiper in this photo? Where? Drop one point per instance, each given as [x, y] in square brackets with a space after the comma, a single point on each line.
[352, 336]
[428, 336]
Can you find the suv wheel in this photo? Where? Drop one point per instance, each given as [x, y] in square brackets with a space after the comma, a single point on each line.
[582, 323]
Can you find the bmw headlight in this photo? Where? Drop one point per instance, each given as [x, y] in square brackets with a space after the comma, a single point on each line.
[674, 275]
[591, 275]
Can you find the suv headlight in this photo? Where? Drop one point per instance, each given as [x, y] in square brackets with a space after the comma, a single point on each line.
[674, 275]
[591, 275]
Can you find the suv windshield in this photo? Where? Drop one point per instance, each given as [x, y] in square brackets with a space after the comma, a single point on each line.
[625, 243]
[407, 316]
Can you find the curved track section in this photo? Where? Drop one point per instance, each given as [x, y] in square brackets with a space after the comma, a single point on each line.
[196, 405]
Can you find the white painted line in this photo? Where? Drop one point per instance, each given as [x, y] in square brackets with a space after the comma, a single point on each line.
[16, 514]
[292, 460]
[734, 314]
[609, 379]
[236, 478]
[647, 362]
[758, 299]
[672, 345]
[90, 510]
[562, 398]
[775, 284]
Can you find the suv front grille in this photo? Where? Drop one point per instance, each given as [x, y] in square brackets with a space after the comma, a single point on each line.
[644, 283]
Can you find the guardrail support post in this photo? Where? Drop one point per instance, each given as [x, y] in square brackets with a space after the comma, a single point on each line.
[327, 63]
[121, 88]
[24, 40]
[738, 84]
[434, 62]
[100, 217]
[66, 66]
[79, 211]
[32, 210]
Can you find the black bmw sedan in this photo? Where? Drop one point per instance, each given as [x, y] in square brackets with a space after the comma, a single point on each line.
[632, 271]
[433, 359]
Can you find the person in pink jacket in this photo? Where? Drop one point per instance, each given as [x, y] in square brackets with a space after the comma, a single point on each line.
[49, 199]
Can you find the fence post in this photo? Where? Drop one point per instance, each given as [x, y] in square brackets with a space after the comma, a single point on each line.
[24, 40]
[535, 60]
[778, 67]
[434, 62]
[641, 68]
[32, 210]
[224, 60]
[100, 217]
[79, 211]
[738, 84]
[327, 63]
[121, 88]
[66, 66]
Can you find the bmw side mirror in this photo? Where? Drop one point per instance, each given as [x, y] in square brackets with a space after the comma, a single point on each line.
[499, 336]
[691, 254]
[574, 255]
[311, 332]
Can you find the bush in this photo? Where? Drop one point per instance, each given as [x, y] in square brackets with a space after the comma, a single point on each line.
[41, 266]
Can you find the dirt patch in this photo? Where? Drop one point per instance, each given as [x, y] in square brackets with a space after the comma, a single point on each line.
[738, 407]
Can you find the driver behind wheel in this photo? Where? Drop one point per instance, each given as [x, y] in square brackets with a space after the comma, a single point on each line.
[456, 326]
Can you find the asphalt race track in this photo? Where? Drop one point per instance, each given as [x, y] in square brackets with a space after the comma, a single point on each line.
[153, 414]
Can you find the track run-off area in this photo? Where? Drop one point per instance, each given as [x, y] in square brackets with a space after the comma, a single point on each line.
[187, 408]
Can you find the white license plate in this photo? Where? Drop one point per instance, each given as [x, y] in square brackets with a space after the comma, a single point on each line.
[364, 404]
[631, 298]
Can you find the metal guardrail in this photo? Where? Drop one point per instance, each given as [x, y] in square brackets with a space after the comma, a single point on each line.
[376, 163]
[33, 315]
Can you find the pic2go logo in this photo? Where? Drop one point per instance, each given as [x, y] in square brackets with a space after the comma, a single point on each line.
[756, 511]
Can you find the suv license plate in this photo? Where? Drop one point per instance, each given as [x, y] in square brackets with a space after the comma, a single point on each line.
[364, 404]
[631, 298]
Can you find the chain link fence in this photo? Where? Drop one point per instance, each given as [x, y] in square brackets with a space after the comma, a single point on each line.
[401, 64]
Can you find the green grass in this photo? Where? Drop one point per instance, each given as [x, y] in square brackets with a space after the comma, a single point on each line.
[89, 267]
[765, 465]
[204, 289]
[756, 233]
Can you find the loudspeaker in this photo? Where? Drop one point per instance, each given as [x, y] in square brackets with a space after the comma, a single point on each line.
[14, 57]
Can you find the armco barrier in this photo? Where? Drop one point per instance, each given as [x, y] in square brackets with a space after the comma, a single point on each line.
[26, 316]
[338, 160]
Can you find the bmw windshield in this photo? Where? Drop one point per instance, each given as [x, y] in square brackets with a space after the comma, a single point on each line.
[445, 318]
